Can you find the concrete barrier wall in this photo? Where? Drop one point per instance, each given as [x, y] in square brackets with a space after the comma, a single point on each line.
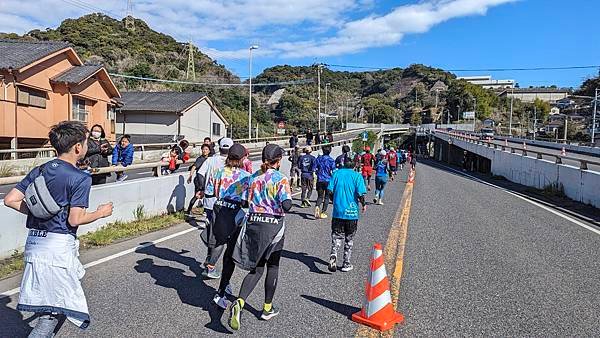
[579, 185]
[158, 195]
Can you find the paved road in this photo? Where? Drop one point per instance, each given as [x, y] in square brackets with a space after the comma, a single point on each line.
[482, 262]
[478, 262]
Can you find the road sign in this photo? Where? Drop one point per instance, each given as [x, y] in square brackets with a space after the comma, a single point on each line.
[469, 115]
[365, 136]
[281, 128]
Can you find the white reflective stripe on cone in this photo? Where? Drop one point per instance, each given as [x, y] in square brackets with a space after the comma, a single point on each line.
[378, 275]
[377, 254]
[378, 303]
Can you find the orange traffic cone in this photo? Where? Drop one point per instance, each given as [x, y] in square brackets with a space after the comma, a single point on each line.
[563, 152]
[378, 311]
[411, 176]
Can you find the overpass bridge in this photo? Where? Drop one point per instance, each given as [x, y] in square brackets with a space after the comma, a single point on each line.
[464, 256]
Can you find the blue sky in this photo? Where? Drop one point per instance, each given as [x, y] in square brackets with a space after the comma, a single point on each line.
[450, 34]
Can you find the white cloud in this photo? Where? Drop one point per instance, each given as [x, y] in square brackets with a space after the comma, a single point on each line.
[280, 26]
[389, 29]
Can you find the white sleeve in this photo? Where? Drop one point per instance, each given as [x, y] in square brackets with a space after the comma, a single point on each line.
[204, 167]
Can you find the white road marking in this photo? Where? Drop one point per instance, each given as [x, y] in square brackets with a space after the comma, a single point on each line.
[122, 253]
[557, 213]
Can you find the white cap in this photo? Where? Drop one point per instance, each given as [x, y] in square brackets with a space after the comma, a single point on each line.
[382, 152]
[225, 143]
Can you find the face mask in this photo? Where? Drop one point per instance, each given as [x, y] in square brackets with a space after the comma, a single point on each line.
[96, 134]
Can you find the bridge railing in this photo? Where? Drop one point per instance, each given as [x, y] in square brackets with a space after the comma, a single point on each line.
[157, 166]
[558, 159]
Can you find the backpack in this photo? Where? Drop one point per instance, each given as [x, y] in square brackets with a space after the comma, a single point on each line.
[39, 201]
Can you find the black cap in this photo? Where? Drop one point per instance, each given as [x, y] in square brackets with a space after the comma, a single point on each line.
[236, 152]
[272, 152]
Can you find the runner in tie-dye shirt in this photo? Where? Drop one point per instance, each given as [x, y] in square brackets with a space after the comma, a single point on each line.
[267, 192]
[261, 241]
[229, 183]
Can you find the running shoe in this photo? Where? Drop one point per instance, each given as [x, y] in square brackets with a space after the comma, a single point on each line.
[235, 315]
[347, 267]
[332, 263]
[122, 178]
[375, 200]
[308, 204]
[380, 202]
[221, 301]
[211, 272]
[317, 212]
[323, 215]
[266, 315]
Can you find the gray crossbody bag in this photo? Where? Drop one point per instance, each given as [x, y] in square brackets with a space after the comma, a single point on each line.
[39, 201]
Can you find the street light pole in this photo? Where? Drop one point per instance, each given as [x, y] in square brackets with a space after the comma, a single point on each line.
[594, 116]
[319, 70]
[326, 110]
[474, 112]
[512, 95]
[250, 93]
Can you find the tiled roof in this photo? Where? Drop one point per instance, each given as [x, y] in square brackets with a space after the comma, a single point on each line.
[77, 74]
[17, 54]
[172, 102]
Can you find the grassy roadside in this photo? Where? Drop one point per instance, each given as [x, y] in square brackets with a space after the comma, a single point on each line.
[104, 236]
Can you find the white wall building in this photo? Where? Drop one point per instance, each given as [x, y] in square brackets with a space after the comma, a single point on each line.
[530, 94]
[487, 82]
[158, 117]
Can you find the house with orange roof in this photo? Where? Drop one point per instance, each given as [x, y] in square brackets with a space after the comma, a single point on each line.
[45, 82]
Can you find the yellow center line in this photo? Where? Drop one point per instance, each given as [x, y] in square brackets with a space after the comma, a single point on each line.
[394, 256]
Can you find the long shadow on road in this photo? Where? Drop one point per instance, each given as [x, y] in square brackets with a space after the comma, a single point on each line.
[343, 309]
[309, 261]
[191, 290]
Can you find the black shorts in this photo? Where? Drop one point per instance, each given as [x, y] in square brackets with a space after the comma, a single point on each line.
[345, 226]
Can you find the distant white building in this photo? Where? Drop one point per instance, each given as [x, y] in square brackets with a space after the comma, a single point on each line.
[487, 82]
[550, 95]
[158, 117]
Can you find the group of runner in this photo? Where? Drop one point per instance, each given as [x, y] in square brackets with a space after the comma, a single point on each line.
[245, 219]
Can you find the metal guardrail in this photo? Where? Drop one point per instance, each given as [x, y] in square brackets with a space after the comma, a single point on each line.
[158, 165]
[583, 164]
[162, 146]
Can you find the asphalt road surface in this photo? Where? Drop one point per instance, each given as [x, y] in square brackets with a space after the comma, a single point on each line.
[478, 261]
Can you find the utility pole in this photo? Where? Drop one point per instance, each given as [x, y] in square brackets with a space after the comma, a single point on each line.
[129, 20]
[326, 110]
[191, 71]
[250, 95]
[566, 125]
[512, 95]
[319, 70]
[594, 117]
[534, 121]
[448, 111]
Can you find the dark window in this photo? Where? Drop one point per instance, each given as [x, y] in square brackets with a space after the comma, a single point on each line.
[216, 130]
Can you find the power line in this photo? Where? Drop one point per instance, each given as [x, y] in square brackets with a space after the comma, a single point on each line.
[474, 70]
[284, 83]
[87, 6]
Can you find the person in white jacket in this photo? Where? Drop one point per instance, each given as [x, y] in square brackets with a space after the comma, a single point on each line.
[51, 284]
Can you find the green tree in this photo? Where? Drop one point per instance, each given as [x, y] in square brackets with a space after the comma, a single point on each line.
[542, 108]
[415, 118]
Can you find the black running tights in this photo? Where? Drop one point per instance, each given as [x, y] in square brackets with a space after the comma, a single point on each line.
[251, 280]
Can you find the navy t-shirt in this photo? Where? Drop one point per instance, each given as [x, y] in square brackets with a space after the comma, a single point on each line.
[69, 186]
